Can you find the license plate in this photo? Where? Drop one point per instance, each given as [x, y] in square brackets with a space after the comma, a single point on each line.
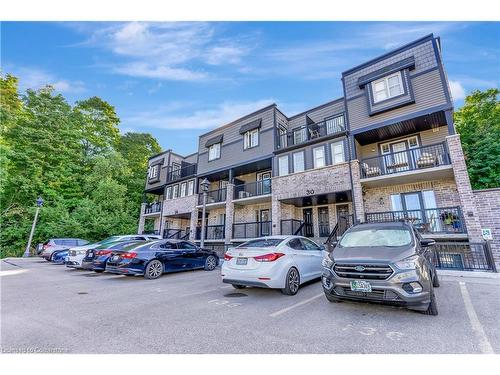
[91, 254]
[361, 286]
[241, 261]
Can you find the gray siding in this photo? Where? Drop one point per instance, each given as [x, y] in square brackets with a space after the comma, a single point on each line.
[163, 170]
[232, 145]
[428, 90]
[317, 114]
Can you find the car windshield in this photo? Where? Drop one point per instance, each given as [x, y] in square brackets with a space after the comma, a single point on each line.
[108, 240]
[262, 242]
[377, 237]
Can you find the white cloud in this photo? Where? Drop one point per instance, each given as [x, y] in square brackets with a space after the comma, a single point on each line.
[169, 117]
[457, 90]
[35, 78]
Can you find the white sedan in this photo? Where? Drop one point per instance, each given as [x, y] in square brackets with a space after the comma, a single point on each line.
[280, 262]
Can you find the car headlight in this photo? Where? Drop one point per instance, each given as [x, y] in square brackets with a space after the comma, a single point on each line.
[409, 263]
[327, 262]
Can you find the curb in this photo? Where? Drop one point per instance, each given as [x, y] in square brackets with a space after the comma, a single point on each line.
[469, 274]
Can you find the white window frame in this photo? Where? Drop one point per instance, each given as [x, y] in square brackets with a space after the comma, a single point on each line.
[183, 189]
[251, 139]
[336, 155]
[302, 167]
[153, 171]
[315, 157]
[190, 188]
[281, 167]
[214, 151]
[175, 191]
[168, 193]
[386, 89]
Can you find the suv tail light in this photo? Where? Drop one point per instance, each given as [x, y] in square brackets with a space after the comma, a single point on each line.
[103, 252]
[227, 257]
[268, 257]
[129, 255]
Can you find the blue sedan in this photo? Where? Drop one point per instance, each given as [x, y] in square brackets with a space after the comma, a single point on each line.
[101, 254]
[154, 258]
[59, 257]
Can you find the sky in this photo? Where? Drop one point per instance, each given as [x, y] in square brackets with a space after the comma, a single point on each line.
[177, 80]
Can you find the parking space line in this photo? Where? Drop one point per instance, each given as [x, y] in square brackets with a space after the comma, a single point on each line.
[484, 343]
[282, 311]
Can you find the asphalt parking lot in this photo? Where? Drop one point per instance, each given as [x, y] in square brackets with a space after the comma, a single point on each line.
[49, 308]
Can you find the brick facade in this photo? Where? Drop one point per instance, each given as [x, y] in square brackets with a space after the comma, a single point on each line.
[488, 206]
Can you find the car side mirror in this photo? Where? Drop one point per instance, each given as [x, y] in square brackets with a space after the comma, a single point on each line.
[427, 242]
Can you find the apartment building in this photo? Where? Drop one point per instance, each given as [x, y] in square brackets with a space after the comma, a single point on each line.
[386, 150]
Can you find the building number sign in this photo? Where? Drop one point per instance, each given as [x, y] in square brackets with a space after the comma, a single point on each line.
[310, 192]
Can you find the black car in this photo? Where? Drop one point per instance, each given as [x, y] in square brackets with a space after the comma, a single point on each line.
[95, 259]
[382, 262]
[153, 259]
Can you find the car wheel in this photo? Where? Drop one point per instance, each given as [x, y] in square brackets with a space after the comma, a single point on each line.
[154, 269]
[238, 286]
[432, 309]
[435, 280]
[331, 298]
[292, 282]
[210, 263]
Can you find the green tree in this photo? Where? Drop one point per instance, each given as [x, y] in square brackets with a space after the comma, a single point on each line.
[478, 123]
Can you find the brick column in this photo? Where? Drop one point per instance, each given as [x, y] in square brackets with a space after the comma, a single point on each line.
[228, 234]
[275, 215]
[464, 188]
[357, 192]
[140, 228]
[193, 221]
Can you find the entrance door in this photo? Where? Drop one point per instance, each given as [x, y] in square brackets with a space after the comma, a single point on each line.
[308, 222]
[323, 222]
[264, 224]
[342, 218]
[264, 183]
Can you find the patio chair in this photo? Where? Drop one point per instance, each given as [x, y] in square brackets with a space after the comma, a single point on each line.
[371, 171]
[426, 160]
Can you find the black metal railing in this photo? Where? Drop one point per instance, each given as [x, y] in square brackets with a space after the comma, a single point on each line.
[212, 232]
[155, 232]
[408, 160]
[307, 132]
[252, 189]
[464, 256]
[431, 220]
[291, 227]
[152, 208]
[214, 196]
[252, 230]
[178, 234]
[179, 173]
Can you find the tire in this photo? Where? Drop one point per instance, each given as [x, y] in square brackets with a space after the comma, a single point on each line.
[292, 282]
[99, 271]
[154, 269]
[237, 286]
[210, 263]
[435, 280]
[332, 299]
[432, 309]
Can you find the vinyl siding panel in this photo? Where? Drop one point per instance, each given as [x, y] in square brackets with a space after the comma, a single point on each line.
[318, 114]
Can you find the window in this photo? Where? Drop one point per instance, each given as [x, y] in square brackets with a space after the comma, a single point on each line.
[186, 245]
[190, 188]
[183, 189]
[338, 152]
[168, 245]
[283, 165]
[175, 191]
[299, 135]
[309, 245]
[296, 244]
[383, 237]
[214, 152]
[251, 139]
[169, 193]
[298, 161]
[262, 242]
[319, 157]
[153, 171]
[387, 87]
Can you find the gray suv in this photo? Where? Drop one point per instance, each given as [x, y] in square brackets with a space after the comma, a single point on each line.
[382, 262]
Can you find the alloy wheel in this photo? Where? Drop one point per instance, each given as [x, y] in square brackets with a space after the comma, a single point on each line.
[293, 280]
[211, 263]
[155, 269]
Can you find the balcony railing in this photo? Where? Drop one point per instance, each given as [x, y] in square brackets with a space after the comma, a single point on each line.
[212, 232]
[213, 196]
[431, 220]
[308, 132]
[252, 189]
[178, 234]
[252, 230]
[180, 173]
[291, 227]
[408, 160]
[152, 208]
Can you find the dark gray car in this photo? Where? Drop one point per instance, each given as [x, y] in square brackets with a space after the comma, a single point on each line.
[382, 262]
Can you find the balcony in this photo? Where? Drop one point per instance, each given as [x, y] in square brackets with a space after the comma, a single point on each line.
[252, 191]
[152, 208]
[212, 232]
[446, 220]
[311, 131]
[291, 227]
[251, 230]
[214, 196]
[181, 173]
[178, 234]
[432, 159]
